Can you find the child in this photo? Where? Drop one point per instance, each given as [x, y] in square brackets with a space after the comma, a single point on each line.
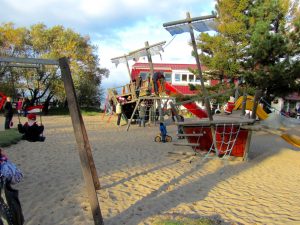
[32, 132]
[163, 132]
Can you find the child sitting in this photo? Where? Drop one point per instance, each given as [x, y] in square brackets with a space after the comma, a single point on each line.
[31, 130]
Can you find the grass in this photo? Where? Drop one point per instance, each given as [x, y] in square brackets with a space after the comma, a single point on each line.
[9, 137]
[185, 221]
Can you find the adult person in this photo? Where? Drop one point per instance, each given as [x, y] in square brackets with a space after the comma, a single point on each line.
[8, 113]
[31, 130]
[156, 77]
[142, 114]
[138, 86]
[119, 112]
[26, 103]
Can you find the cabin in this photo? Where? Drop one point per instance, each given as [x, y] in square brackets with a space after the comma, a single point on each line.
[178, 75]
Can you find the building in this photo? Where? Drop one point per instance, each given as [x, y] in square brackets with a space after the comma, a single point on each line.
[178, 75]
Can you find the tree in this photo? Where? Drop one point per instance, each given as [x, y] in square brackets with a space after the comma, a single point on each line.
[256, 41]
[44, 82]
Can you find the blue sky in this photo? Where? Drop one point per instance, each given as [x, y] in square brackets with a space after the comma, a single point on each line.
[117, 27]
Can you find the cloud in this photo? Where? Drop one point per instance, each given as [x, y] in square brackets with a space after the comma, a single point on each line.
[117, 27]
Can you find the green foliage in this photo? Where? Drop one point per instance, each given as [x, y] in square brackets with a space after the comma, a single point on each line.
[9, 137]
[257, 41]
[45, 83]
[185, 221]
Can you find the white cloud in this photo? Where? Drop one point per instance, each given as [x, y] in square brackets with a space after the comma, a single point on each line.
[116, 26]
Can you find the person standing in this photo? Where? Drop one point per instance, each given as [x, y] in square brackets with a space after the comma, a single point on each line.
[8, 113]
[142, 114]
[119, 112]
[156, 77]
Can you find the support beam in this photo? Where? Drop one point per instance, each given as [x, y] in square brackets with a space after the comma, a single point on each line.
[29, 61]
[85, 154]
[188, 20]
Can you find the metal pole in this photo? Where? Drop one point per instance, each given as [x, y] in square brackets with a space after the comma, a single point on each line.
[84, 149]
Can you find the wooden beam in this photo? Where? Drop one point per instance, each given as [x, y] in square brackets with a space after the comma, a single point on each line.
[85, 154]
[29, 61]
[147, 47]
[189, 20]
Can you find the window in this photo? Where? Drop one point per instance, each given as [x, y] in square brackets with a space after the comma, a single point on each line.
[191, 78]
[184, 77]
[144, 75]
[168, 77]
[198, 79]
[177, 77]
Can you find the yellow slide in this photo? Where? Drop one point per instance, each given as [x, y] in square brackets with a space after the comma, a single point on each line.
[292, 139]
[249, 106]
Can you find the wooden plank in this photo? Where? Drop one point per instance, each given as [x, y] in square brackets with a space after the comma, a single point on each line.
[205, 122]
[194, 19]
[186, 144]
[84, 149]
[190, 135]
[29, 61]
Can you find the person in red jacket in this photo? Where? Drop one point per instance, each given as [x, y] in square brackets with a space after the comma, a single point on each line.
[31, 130]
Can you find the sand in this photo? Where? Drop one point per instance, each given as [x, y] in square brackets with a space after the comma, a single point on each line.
[141, 181]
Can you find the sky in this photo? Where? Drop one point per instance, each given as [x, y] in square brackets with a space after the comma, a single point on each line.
[116, 27]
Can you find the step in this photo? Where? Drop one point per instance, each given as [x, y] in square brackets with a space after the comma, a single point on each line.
[190, 135]
[187, 144]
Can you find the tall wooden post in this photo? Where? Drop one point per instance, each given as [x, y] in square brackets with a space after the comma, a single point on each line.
[206, 100]
[244, 103]
[128, 68]
[257, 96]
[207, 103]
[85, 154]
[150, 64]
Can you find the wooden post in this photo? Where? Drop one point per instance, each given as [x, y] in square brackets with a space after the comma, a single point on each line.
[85, 154]
[247, 146]
[257, 96]
[128, 69]
[244, 103]
[150, 63]
[207, 103]
[132, 115]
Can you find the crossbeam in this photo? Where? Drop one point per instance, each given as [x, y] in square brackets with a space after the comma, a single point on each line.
[189, 20]
[29, 61]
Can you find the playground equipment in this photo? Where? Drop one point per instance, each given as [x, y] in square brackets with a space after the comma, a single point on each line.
[249, 106]
[158, 138]
[191, 106]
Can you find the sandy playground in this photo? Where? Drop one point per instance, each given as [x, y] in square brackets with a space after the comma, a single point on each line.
[141, 181]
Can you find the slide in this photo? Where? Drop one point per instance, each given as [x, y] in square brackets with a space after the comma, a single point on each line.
[260, 112]
[292, 139]
[192, 106]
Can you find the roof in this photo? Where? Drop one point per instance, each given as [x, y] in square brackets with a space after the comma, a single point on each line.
[164, 66]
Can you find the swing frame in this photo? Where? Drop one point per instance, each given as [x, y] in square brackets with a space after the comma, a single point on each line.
[84, 149]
